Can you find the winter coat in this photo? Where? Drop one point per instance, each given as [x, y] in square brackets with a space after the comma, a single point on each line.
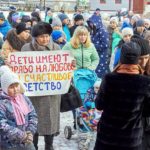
[47, 107]
[67, 32]
[116, 39]
[13, 43]
[86, 58]
[100, 39]
[122, 98]
[11, 134]
[4, 28]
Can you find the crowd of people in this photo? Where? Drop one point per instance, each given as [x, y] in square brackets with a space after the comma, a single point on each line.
[118, 50]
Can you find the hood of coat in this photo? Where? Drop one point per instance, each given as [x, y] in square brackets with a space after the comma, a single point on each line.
[96, 21]
[15, 42]
[5, 24]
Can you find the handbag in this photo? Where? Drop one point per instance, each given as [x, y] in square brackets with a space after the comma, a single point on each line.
[70, 100]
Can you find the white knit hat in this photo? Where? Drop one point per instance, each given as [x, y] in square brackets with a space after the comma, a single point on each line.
[115, 19]
[127, 31]
[10, 78]
[4, 69]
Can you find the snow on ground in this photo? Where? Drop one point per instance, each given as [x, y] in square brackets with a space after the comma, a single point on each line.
[60, 142]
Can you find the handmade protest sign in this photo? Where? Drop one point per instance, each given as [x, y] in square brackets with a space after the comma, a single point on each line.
[43, 72]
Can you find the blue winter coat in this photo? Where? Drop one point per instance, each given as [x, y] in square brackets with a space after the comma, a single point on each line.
[4, 28]
[100, 38]
[11, 135]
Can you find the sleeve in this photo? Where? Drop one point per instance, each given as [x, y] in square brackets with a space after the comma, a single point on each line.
[94, 59]
[100, 99]
[32, 118]
[14, 133]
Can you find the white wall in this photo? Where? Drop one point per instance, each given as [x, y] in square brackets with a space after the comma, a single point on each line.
[109, 6]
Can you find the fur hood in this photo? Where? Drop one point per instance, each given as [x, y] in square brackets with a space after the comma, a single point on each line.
[15, 42]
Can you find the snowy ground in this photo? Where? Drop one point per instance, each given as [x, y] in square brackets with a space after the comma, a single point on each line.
[60, 142]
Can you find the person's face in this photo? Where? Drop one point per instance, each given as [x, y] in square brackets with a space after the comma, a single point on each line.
[24, 35]
[140, 29]
[80, 22]
[14, 89]
[147, 25]
[97, 12]
[1, 21]
[50, 13]
[66, 21]
[28, 24]
[43, 39]
[57, 27]
[113, 25]
[34, 23]
[82, 38]
[127, 38]
[61, 39]
[18, 20]
[143, 61]
[96, 89]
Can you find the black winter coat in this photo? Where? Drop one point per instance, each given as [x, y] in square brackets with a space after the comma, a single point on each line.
[122, 98]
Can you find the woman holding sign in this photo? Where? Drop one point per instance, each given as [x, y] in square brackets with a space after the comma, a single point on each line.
[47, 107]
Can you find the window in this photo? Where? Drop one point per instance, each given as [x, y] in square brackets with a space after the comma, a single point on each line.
[103, 1]
[118, 1]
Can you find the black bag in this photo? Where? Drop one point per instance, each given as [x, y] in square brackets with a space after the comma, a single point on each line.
[70, 100]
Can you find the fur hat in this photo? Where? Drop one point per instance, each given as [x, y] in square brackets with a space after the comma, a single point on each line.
[56, 22]
[115, 19]
[2, 16]
[41, 28]
[21, 27]
[127, 31]
[10, 78]
[78, 17]
[62, 17]
[140, 23]
[144, 44]
[130, 53]
[56, 35]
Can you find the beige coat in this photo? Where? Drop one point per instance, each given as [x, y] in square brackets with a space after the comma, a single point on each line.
[47, 107]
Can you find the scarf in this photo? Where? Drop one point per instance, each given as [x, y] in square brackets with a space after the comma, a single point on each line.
[129, 69]
[21, 109]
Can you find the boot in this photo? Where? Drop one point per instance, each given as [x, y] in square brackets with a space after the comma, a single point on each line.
[35, 140]
[49, 142]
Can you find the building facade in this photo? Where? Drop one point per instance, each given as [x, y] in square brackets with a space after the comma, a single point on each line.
[113, 5]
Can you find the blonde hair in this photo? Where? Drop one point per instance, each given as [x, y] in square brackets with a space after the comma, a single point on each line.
[75, 39]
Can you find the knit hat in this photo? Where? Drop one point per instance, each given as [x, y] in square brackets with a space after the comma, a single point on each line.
[56, 35]
[144, 44]
[56, 22]
[78, 17]
[25, 18]
[115, 19]
[140, 23]
[15, 17]
[127, 31]
[136, 17]
[10, 78]
[62, 17]
[4, 69]
[12, 8]
[41, 28]
[130, 53]
[2, 16]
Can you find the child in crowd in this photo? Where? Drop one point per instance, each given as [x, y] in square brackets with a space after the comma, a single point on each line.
[58, 38]
[18, 121]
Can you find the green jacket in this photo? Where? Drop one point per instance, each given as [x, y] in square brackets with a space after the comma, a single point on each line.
[85, 57]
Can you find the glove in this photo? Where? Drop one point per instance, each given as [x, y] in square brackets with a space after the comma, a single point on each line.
[28, 138]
